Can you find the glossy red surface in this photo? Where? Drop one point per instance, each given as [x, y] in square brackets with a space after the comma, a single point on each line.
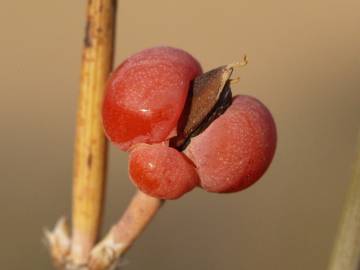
[161, 171]
[145, 96]
[237, 148]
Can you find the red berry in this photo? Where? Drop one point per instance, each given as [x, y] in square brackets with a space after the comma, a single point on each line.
[144, 100]
[146, 95]
[236, 149]
[161, 171]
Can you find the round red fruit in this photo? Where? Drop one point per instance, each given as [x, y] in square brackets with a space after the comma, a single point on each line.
[161, 171]
[236, 149]
[146, 94]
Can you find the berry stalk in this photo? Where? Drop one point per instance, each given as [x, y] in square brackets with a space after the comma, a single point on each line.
[346, 252]
[90, 144]
[137, 216]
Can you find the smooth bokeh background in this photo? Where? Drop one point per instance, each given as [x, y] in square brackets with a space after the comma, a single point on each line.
[304, 64]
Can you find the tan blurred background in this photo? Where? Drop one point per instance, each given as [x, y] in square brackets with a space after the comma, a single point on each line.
[304, 64]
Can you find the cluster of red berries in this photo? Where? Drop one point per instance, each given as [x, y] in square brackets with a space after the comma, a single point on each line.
[144, 102]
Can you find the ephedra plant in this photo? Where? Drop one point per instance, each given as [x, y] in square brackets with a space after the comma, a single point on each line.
[181, 126]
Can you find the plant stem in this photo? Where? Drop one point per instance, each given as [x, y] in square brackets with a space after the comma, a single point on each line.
[138, 215]
[90, 144]
[346, 252]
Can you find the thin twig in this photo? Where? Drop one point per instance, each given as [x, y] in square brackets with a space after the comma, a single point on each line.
[90, 144]
[346, 252]
[138, 215]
